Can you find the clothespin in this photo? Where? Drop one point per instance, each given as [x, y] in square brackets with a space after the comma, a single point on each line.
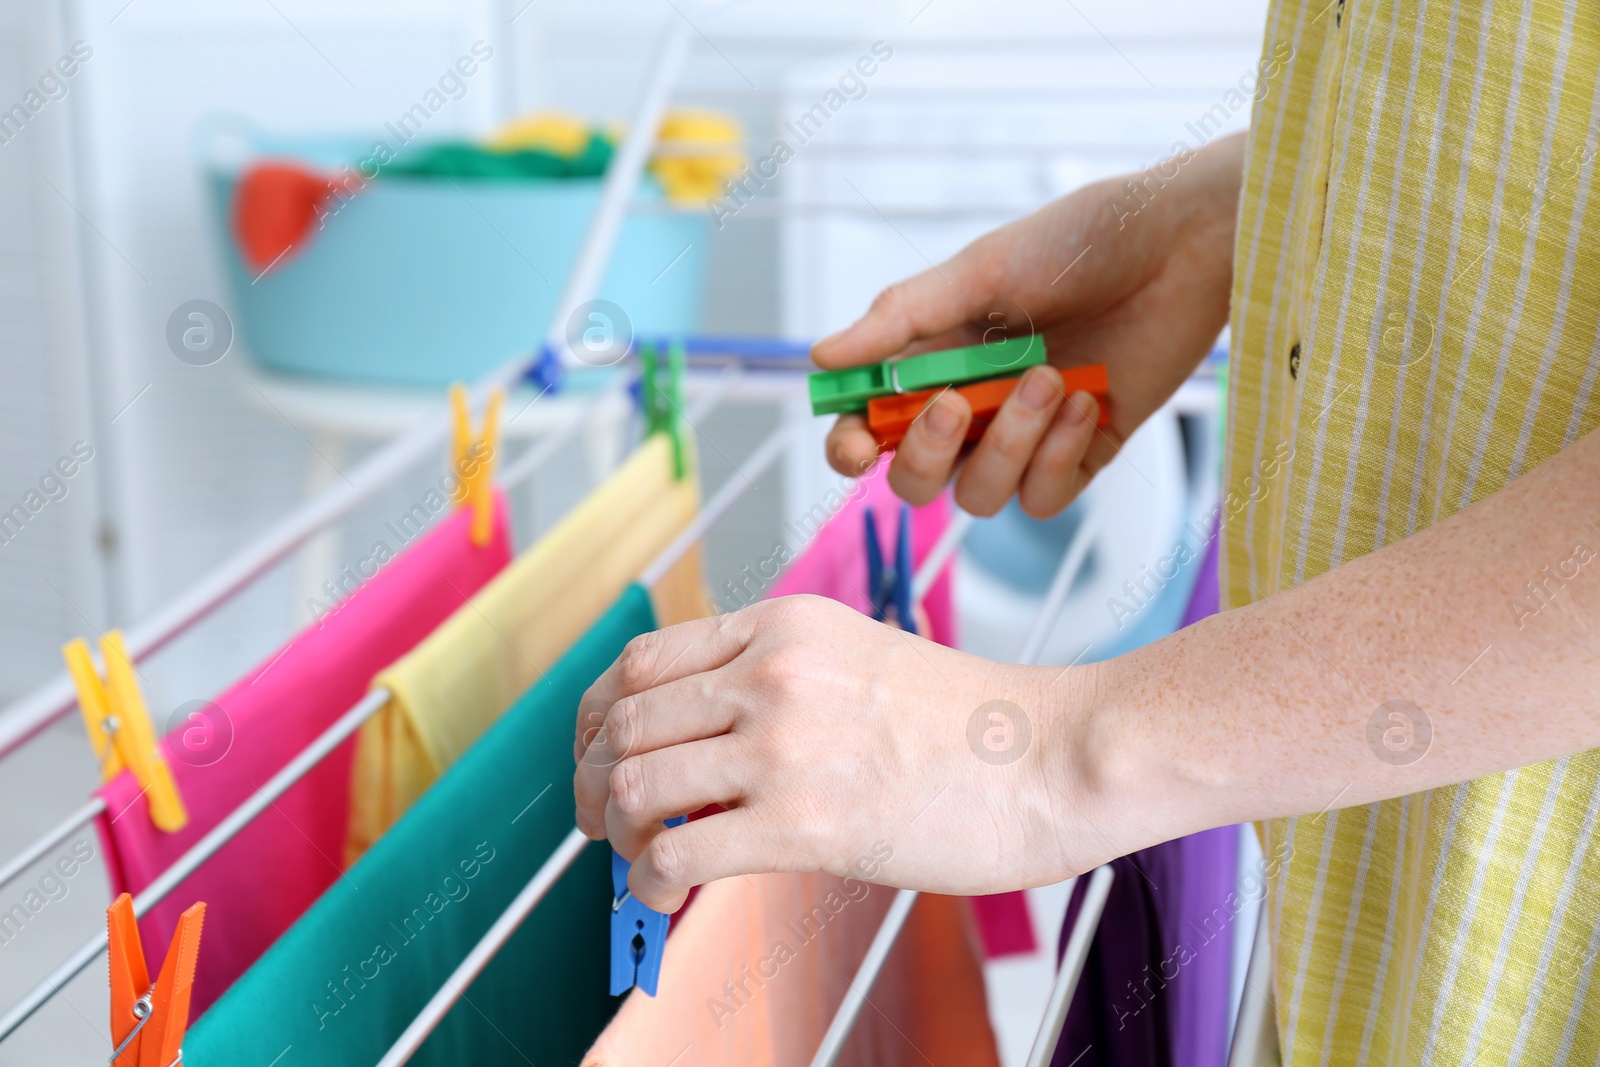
[834, 392]
[638, 934]
[119, 726]
[472, 459]
[664, 401]
[893, 586]
[547, 374]
[148, 1021]
[889, 417]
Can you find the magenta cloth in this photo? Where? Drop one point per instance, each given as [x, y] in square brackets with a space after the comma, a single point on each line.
[262, 880]
[834, 565]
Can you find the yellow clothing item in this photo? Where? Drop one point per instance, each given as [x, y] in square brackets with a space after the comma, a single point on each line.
[699, 176]
[1415, 319]
[450, 688]
[551, 131]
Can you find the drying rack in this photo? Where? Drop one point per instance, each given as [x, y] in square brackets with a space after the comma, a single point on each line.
[26, 718]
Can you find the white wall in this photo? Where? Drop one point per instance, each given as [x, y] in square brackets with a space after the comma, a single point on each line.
[50, 576]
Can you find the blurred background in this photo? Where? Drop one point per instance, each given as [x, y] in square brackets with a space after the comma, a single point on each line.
[245, 244]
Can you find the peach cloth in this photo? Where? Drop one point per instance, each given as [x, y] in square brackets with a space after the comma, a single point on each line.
[756, 969]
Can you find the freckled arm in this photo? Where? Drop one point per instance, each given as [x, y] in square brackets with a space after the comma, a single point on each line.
[1470, 648]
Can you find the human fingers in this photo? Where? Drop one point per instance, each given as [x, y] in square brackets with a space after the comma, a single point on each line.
[851, 448]
[1055, 475]
[648, 789]
[719, 846]
[995, 469]
[927, 455]
[677, 713]
[659, 657]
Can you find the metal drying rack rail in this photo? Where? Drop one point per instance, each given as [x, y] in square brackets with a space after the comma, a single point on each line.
[26, 718]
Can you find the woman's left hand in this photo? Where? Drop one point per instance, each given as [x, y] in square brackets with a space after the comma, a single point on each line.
[834, 741]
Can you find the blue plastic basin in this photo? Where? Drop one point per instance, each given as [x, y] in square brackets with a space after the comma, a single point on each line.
[421, 281]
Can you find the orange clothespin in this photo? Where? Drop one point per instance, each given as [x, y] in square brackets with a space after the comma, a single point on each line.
[472, 459]
[119, 726]
[889, 417]
[148, 1021]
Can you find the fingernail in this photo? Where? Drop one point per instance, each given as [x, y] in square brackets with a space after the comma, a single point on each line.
[1081, 408]
[941, 419]
[1038, 389]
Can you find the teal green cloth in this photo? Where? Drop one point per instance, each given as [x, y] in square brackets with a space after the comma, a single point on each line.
[464, 159]
[340, 986]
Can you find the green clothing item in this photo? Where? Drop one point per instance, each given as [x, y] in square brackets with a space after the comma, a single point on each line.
[344, 981]
[464, 159]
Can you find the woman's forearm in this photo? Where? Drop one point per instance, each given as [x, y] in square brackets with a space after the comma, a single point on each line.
[1470, 648]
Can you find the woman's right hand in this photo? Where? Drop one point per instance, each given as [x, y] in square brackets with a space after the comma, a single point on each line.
[1133, 272]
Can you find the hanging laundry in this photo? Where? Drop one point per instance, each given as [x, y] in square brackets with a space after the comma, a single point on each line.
[262, 880]
[458, 681]
[343, 983]
[755, 969]
[1154, 990]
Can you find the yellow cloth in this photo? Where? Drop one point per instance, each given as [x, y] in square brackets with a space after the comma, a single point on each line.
[451, 687]
[1415, 321]
[550, 131]
[698, 176]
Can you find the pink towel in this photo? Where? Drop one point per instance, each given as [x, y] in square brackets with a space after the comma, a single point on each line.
[263, 879]
[835, 566]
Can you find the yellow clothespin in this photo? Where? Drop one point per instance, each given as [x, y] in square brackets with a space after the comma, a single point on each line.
[472, 459]
[119, 726]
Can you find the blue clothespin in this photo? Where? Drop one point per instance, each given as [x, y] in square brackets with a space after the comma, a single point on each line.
[546, 374]
[891, 587]
[638, 935]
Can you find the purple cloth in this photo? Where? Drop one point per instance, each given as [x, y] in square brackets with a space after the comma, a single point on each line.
[1154, 991]
[1206, 597]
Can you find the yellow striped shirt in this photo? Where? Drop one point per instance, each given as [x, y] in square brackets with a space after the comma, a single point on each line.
[1415, 320]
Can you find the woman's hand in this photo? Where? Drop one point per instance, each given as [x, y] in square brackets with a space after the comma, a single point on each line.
[833, 739]
[1134, 273]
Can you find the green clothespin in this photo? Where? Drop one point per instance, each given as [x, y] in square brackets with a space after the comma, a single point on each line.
[664, 402]
[834, 392]
[676, 424]
[649, 394]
